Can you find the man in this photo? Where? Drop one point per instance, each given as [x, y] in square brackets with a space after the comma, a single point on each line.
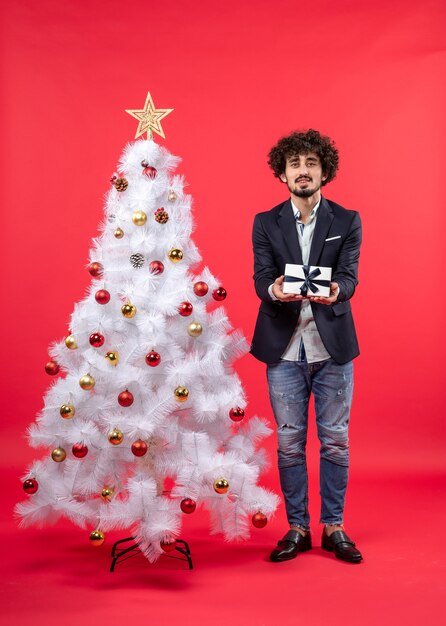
[308, 342]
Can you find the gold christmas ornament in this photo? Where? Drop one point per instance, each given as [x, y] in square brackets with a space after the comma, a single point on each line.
[58, 455]
[139, 218]
[87, 382]
[181, 394]
[149, 118]
[67, 411]
[119, 233]
[175, 255]
[115, 437]
[221, 485]
[195, 329]
[112, 358]
[107, 494]
[172, 196]
[128, 310]
[70, 342]
[97, 538]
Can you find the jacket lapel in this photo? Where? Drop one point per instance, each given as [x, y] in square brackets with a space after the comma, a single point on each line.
[287, 225]
[323, 223]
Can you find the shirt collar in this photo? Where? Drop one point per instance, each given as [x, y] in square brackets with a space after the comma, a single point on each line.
[313, 211]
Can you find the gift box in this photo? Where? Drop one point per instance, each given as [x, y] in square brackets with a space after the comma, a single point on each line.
[307, 280]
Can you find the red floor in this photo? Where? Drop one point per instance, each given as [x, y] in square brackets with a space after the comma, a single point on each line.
[54, 576]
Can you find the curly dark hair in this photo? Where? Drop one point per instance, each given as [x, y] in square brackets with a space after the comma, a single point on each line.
[303, 142]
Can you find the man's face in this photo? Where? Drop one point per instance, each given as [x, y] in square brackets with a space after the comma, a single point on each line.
[303, 174]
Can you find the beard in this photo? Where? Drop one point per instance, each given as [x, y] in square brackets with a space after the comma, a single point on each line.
[304, 193]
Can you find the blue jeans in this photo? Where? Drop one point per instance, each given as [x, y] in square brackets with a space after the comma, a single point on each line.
[290, 384]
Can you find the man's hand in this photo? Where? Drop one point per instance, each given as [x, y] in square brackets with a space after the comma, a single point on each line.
[334, 291]
[285, 297]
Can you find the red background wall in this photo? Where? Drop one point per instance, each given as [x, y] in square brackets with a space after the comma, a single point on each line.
[239, 75]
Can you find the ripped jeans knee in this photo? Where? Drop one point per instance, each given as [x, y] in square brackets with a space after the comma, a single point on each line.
[292, 445]
[334, 445]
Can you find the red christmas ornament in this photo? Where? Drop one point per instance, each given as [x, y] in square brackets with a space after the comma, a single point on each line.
[219, 294]
[95, 269]
[200, 288]
[188, 505]
[96, 340]
[153, 358]
[156, 267]
[185, 309]
[150, 172]
[139, 447]
[52, 368]
[168, 546]
[125, 398]
[30, 486]
[79, 450]
[259, 520]
[102, 296]
[113, 178]
[237, 414]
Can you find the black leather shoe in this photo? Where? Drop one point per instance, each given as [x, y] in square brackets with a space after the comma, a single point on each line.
[343, 547]
[290, 546]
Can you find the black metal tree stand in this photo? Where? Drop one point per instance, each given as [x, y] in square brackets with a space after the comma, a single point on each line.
[121, 553]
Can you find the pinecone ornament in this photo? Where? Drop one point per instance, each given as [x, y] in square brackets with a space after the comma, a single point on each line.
[137, 260]
[161, 216]
[120, 184]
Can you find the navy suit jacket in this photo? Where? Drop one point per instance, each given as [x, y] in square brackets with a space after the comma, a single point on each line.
[276, 243]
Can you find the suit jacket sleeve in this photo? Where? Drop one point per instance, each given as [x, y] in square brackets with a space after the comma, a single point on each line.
[346, 272]
[265, 269]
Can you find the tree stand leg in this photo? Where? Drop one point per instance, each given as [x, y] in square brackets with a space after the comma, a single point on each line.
[120, 554]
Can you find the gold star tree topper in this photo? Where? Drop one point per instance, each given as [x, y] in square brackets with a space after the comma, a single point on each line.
[149, 118]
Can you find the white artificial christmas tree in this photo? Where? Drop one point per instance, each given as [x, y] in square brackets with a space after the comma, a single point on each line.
[148, 392]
